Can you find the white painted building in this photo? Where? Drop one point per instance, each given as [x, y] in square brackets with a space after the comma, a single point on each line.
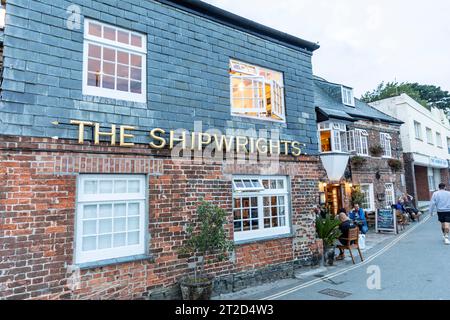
[425, 137]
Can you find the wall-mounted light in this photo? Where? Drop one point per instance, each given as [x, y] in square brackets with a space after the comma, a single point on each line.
[350, 185]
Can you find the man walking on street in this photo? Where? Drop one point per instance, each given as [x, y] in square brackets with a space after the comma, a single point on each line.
[441, 200]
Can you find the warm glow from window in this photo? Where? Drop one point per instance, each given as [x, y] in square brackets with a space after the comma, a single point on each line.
[325, 141]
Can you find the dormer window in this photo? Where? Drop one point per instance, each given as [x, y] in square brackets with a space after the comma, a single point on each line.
[347, 97]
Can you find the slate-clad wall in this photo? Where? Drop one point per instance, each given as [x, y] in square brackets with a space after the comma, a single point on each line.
[187, 76]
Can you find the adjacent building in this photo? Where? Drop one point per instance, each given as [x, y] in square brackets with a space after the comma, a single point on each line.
[118, 117]
[360, 149]
[425, 136]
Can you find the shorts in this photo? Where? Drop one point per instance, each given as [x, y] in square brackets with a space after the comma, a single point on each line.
[444, 217]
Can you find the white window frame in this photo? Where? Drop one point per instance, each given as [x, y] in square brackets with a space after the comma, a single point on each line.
[252, 73]
[385, 141]
[114, 93]
[429, 133]
[261, 232]
[339, 137]
[418, 130]
[111, 198]
[361, 142]
[439, 140]
[389, 190]
[347, 96]
[431, 179]
[370, 194]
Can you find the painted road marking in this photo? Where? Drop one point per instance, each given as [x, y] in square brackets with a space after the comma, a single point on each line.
[341, 272]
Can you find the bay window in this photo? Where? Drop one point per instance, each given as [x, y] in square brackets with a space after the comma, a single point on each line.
[114, 62]
[260, 207]
[335, 138]
[110, 217]
[256, 92]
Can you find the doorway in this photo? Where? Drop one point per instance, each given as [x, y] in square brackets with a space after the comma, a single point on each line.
[334, 197]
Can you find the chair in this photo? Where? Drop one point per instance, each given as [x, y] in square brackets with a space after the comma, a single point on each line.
[401, 220]
[352, 243]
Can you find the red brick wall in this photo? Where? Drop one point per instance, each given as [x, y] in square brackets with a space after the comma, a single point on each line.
[37, 206]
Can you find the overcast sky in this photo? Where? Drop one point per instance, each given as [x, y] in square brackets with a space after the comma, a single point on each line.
[363, 42]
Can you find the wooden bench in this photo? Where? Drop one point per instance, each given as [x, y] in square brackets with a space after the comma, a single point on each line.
[352, 243]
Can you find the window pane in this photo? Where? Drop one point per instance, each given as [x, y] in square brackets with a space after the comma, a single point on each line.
[120, 224]
[266, 212]
[123, 37]
[90, 227]
[89, 243]
[136, 61]
[273, 184]
[255, 225]
[133, 223]
[122, 84]
[280, 184]
[136, 40]
[266, 184]
[94, 79]
[120, 186]
[136, 87]
[106, 186]
[239, 184]
[90, 211]
[105, 211]
[246, 225]
[266, 223]
[105, 226]
[90, 187]
[133, 209]
[109, 33]
[134, 186]
[136, 74]
[237, 214]
[95, 29]
[133, 238]
[254, 212]
[237, 202]
[105, 241]
[237, 226]
[123, 71]
[94, 65]
[254, 202]
[245, 213]
[248, 184]
[120, 239]
[108, 82]
[95, 51]
[109, 68]
[109, 54]
[120, 210]
[123, 57]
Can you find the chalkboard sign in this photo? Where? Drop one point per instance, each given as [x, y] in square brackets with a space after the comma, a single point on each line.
[386, 220]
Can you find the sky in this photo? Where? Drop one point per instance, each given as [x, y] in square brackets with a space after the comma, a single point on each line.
[363, 42]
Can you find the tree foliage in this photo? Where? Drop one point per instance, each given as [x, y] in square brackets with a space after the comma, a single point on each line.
[426, 95]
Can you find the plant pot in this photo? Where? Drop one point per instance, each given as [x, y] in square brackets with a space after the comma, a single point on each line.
[196, 289]
[328, 255]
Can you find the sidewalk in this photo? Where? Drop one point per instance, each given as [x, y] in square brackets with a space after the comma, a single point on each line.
[374, 242]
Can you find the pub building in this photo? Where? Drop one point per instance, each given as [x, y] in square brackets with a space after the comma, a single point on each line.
[360, 149]
[118, 119]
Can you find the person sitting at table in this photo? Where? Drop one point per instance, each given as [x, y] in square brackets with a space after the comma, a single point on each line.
[400, 207]
[345, 225]
[409, 207]
[358, 216]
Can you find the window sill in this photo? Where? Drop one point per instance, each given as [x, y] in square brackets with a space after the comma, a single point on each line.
[258, 118]
[110, 262]
[264, 239]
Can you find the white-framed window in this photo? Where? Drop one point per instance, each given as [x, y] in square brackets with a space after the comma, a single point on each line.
[262, 209]
[361, 142]
[429, 136]
[347, 96]
[431, 179]
[418, 130]
[389, 195]
[368, 204]
[256, 92]
[385, 141]
[334, 137]
[438, 140]
[110, 217]
[114, 62]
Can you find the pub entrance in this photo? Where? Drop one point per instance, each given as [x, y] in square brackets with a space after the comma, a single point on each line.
[334, 197]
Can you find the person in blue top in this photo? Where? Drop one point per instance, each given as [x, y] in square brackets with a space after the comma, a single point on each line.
[359, 217]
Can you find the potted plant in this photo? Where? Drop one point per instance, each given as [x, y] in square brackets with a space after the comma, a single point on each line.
[327, 230]
[209, 238]
[357, 196]
[376, 150]
[358, 161]
[396, 165]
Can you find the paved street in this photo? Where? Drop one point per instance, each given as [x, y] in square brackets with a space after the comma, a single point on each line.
[412, 265]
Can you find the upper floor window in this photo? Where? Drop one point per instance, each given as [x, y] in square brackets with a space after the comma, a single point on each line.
[361, 142]
[385, 141]
[429, 136]
[333, 137]
[256, 92]
[438, 140]
[347, 96]
[418, 130]
[114, 62]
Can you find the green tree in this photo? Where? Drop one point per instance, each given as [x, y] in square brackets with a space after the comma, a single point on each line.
[426, 95]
